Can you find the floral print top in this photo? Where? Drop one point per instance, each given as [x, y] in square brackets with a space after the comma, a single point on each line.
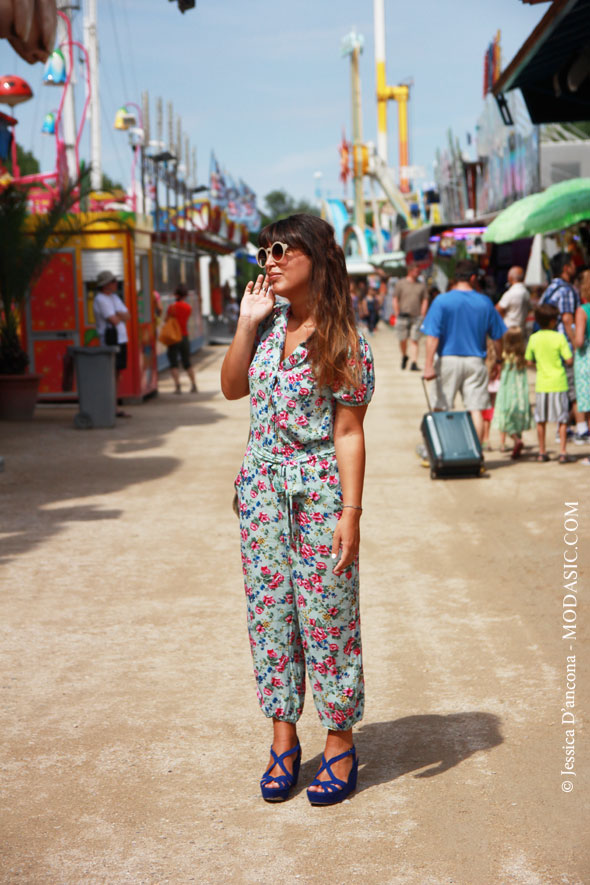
[290, 416]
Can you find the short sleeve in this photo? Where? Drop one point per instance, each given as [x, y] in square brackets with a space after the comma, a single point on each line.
[104, 305]
[497, 327]
[567, 300]
[505, 301]
[432, 324]
[564, 348]
[362, 395]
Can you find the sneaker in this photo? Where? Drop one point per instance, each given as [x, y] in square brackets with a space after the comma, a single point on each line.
[414, 367]
[404, 361]
[581, 439]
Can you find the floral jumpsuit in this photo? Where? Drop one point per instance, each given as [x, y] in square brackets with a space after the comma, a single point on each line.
[299, 612]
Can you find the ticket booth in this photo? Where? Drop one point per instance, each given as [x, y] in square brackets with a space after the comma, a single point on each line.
[60, 310]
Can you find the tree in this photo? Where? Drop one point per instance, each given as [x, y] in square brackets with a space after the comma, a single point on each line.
[109, 185]
[28, 164]
[26, 246]
[279, 204]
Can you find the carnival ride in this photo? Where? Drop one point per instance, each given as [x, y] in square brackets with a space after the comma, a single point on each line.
[14, 90]
[399, 208]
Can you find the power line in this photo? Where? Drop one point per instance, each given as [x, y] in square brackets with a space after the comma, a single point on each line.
[113, 142]
[119, 54]
[137, 95]
[105, 78]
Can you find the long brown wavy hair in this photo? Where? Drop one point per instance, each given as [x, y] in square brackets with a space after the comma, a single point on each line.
[514, 346]
[334, 346]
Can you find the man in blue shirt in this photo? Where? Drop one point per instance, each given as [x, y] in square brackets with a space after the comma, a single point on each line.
[457, 326]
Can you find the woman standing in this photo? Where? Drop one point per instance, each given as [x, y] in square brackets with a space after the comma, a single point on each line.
[310, 378]
[181, 311]
[582, 357]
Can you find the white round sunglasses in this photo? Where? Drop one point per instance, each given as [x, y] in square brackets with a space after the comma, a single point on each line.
[277, 250]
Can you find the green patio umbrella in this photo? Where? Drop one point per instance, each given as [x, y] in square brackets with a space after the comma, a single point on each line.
[562, 205]
[558, 207]
[512, 223]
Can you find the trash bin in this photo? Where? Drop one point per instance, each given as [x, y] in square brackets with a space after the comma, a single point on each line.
[97, 386]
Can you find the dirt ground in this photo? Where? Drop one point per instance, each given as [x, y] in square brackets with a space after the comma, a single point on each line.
[131, 742]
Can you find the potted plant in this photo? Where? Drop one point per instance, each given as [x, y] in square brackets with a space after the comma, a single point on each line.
[27, 243]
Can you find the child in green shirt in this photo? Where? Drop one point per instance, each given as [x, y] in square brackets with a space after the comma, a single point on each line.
[547, 351]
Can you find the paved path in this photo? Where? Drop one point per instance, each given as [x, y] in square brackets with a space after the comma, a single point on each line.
[131, 742]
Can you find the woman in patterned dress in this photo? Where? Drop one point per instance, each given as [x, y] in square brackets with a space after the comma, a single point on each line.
[309, 376]
[582, 355]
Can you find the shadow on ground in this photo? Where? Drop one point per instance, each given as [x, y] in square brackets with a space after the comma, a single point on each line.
[388, 750]
[49, 462]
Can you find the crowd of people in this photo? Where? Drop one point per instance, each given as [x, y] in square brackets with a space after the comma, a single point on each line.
[482, 350]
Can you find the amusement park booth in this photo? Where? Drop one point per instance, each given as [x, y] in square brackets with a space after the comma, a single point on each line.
[60, 314]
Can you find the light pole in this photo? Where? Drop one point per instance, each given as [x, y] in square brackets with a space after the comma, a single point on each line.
[126, 121]
[91, 41]
[352, 45]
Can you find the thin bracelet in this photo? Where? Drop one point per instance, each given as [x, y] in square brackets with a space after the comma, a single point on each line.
[352, 506]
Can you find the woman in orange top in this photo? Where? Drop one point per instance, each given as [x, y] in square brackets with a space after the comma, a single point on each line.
[181, 311]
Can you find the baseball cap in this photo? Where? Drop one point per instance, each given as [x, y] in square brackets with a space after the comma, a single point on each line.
[104, 278]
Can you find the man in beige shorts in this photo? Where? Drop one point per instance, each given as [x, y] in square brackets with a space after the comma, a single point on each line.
[410, 303]
[457, 327]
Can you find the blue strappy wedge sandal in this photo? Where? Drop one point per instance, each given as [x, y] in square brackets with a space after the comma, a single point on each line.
[286, 781]
[334, 790]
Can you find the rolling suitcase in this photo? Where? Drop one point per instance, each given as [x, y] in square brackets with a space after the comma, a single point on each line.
[451, 442]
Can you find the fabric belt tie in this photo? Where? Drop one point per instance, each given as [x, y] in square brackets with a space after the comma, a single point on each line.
[290, 473]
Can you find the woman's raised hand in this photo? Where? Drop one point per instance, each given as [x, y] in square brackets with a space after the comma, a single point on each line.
[258, 300]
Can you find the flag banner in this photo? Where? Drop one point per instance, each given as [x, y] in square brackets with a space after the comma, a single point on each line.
[217, 185]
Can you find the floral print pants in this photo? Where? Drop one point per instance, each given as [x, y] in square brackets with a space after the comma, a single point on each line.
[299, 612]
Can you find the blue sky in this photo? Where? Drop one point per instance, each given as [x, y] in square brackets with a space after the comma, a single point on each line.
[264, 84]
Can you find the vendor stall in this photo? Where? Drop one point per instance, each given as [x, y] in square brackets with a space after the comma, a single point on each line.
[60, 310]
